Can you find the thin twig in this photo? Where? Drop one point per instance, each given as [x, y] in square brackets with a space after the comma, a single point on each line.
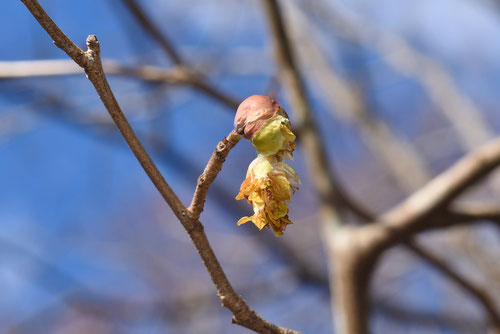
[213, 168]
[474, 290]
[91, 62]
[147, 24]
[473, 212]
[154, 74]
[287, 254]
[57, 67]
[194, 78]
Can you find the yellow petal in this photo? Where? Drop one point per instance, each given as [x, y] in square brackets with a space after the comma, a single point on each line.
[259, 221]
[282, 168]
[280, 188]
[279, 228]
[257, 197]
[244, 220]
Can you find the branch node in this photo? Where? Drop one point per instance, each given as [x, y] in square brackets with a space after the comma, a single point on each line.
[93, 43]
[194, 225]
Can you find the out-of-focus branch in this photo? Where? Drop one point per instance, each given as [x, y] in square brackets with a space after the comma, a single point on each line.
[451, 101]
[411, 215]
[91, 62]
[154, 74]
[57, 67]
[148, 25]
[348, 104]
[194, 77]
[402, 313]
[389, 148]
[455, 106]
[426, 209]
[349, 285]
[474, 212]
[475, 291]
[355, 250]
[325, 183]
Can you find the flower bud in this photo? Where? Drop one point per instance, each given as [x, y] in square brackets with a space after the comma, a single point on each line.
[253, 113]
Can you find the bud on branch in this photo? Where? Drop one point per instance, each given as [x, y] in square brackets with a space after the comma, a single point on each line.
[269, 182]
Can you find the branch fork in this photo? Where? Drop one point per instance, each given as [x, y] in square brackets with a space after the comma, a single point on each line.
[90, 61]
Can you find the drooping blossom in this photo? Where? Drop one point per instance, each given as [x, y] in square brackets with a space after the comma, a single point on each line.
[269, 182]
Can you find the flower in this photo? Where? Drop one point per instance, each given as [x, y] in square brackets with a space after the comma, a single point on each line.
[269, 182]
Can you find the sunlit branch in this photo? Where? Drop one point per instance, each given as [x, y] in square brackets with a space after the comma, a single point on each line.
[91, 62]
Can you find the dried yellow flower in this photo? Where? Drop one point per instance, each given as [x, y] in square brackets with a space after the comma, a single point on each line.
[269, 182]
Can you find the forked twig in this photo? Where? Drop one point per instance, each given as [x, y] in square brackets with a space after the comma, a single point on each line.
[90, 61]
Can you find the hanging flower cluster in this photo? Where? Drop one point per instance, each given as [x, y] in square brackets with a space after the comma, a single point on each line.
[269, 182]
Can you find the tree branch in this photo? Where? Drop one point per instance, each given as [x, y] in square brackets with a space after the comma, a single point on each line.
[347, 281]
[348, 104]
[455, 106]
[351, 248]
[213, 168]
[415, 213]
[155, 74]
[465, 213]
[193, 77]
[327, 186]
[147, 24]
[480, 294]
[91, 62]
[287, 254]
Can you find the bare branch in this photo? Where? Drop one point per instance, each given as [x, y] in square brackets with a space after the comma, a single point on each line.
[474, 212]
[482, 296]
[154, 74]
[349, 285]
[243, 314]
[210, 173]
[193, 76]
[286, 253]
[148, 25]
[325, 183]
[409, 216]
[60, 39]
[349, 105]
[455, 106]
[57, 67]
[350, 247]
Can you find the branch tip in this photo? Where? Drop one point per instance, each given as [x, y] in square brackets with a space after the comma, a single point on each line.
[93, 43]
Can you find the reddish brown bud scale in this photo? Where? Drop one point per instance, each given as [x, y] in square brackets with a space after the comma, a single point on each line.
[253, 113]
